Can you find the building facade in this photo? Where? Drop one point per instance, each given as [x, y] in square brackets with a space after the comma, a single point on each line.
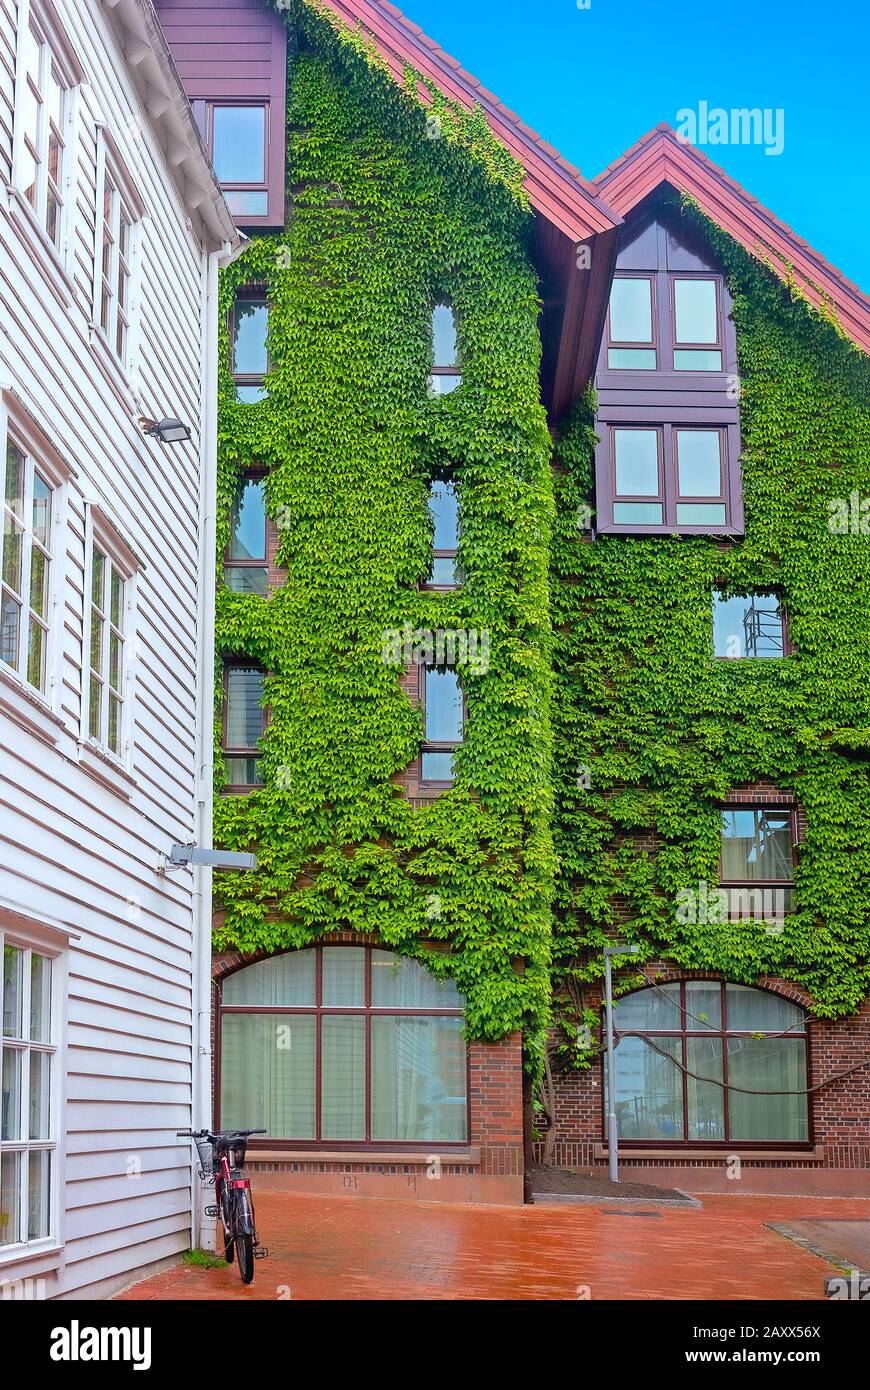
[111, 229]
[542, 628]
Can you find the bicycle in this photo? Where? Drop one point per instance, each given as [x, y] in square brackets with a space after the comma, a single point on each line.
[222, 1159]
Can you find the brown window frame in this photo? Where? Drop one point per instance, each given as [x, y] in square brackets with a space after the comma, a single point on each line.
[428, 584]
[432, 783]
[256, 185]
[655, 344]
[677, 344]
[255, 752]
[669, 497]
[250, 475]
[443, 368]
[252, 293]
[367, 1010]
[685, 1144]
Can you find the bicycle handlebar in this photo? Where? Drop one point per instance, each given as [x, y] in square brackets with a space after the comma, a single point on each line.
[217, 1134]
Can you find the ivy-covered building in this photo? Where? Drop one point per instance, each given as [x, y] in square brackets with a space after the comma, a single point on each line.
[543, 532]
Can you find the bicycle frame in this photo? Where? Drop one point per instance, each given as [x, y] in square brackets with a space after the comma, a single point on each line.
[228, 1178]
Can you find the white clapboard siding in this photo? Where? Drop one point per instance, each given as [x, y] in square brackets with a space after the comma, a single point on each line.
[79, 841]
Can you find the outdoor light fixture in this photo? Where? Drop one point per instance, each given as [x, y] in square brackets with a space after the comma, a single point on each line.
[168, 431]
[183, 856]
[612, 1133]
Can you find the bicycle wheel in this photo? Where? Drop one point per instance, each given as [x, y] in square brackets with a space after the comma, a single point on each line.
[243, 1229]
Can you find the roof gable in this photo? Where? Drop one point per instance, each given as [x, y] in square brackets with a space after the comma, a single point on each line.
[661, 158]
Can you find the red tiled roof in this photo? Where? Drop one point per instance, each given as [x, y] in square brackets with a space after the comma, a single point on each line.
[660, 157]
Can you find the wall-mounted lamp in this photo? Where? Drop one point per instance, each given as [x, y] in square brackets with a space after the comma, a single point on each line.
[168, 431]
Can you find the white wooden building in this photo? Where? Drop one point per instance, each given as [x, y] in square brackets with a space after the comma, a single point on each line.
[112, 227]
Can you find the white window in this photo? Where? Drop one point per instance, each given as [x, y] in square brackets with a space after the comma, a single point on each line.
[46, 76]
[115, 266]
[29, 990]
[26, 565]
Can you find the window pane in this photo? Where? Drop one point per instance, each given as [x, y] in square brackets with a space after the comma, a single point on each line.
[40, 1095]
[343, 1075]
[344, 977]
[443, 337]
[250, 357]
[117, 594]
[268, 1074]
[637, 513]
[654, 1009]
[438, 767]
[28, 172]
[695, 311]
[250, 395]
[39, 1195]
[40, 998]
[703, 1006]
[444, 573]
[38, 581]
[243, 772]
[14, 486]
[12, 539]
[98, 568]
[443, 707]
[697, 360]
[240, 143]
[748, 626]
[756, 845]
[633, 359]
[759, 1011]
[631, 311]
[700, 463]
[281, 981]
[418, 1080]
[248, 523]
[114, 660]
[10, 1094]
[10, 626]
[706, 1102]
[400, 983]
[442, 383]
[701, 514]
[10, 1198]
[13, 992]
[246, 579]
[114, 734]
[637, 462]
[649, 1089]
[95, 700]
[247, 204]
[244, 708]
[767, 1064]
[96, 643]
[36, 655]
[444, 506]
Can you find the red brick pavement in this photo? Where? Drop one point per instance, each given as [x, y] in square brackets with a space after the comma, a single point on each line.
[347, 1248]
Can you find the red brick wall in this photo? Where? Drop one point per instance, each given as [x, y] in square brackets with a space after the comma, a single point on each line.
[839, 1112]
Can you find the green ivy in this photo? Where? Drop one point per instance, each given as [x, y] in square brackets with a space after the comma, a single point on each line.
[389, 211]
[666, 730]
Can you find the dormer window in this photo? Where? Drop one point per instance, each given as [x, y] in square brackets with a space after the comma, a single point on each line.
[668, 421]
[445, 375]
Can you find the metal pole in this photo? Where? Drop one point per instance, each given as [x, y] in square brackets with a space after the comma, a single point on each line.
[612, 1133]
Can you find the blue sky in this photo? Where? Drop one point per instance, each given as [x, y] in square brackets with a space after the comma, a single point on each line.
[592, 81]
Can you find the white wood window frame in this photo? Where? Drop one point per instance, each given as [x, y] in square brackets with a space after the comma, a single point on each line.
[102, 534]
[18, 427]
[42, 17]
[31, 940]
[113, 170]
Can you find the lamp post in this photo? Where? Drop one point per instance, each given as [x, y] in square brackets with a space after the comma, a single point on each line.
[612, 1134]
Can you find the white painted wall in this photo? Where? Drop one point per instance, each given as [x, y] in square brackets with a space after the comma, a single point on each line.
[80, 833]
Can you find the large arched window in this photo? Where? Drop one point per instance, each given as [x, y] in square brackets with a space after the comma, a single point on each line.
[343, 1045]
[707, 1063]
